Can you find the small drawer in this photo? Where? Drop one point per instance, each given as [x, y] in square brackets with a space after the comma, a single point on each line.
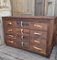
[38, 46]
[10, 30]
[10, 37]
[25, 38]
[38, 34]
[26, 45]
[13, 43]
[26, 32]
[26, 24]
[39, 26]
[39, 43]
[9, 23]
[38, 49]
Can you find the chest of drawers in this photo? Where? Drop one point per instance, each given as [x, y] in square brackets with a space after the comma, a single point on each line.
[35, 34]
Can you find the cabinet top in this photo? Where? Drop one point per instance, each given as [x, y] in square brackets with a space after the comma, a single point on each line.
[32, 17]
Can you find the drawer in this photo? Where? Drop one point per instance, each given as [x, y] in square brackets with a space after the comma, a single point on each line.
[26, 37]
[37, 50]
[13, 43]
[26, 24]
[13, 30]
[26, 31]
[39, 43]
[13, 40]
[9, 42]
[10, 30]
[10, 37]
[9, 23]
[26, 45]
[38, 46]
[39, 26]
[38, 34]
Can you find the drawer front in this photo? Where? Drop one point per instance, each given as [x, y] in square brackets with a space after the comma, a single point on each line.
[37, 49]
[9, 23]
[10, 41]
[10, 36]
[13, 30]
[38, 46]
[13, 41]
[26, 45]
[10, 30]
[39, 26]
[38, 34]
[26, 24]
[26, 31]
[39, 43]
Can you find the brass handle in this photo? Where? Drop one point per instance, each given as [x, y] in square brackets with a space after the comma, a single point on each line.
[37, 33]
[11, 42]
[11, 36]
[37, 48]
[21, 31]
[37, 25]
[22, 37]
[10, 30]
[10, 23]
[21, 23]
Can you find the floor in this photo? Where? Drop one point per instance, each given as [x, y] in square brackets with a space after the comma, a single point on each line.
[9, 53]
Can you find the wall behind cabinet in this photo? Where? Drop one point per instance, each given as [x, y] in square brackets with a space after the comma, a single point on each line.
[23, 7]
[28, 7]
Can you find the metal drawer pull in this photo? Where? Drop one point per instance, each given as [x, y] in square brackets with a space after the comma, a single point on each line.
[37, 33]
[10, 23]
[22, 37]
[11, 35]
[21, 31]
[21, 23]
[10, 30]
[36, 25]
[37, 48]
[11, 42]
[37, 41]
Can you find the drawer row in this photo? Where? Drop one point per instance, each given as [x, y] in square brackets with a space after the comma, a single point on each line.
[27, 24]
[27, 32]
[35, 45]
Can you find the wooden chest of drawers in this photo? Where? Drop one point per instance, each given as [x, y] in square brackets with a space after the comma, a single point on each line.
[35, 34]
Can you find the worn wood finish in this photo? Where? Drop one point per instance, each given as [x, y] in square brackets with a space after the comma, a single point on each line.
[34, 34]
